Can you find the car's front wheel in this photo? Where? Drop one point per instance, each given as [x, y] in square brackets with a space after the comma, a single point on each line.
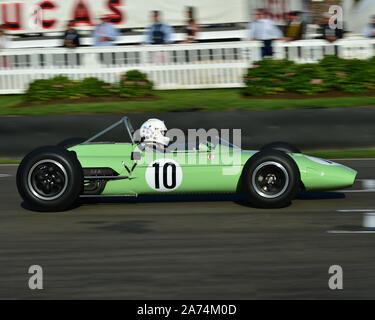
[270, 179]
[50, 179]
[281, 146]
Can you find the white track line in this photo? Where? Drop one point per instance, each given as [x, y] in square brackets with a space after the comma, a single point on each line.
[368, 185]
[346, 232]
[357, 191]
[354, 231]
[9, 165]
[4, 175]
[357, 210]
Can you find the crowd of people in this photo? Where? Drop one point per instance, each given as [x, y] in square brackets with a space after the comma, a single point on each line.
[265, 30]
[262, 28]
[159, 32]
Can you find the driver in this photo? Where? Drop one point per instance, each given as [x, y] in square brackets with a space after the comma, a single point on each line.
[153, 139]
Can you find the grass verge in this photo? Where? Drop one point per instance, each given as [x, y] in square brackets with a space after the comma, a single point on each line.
[343, 154]
[181, 100]
[9, 161]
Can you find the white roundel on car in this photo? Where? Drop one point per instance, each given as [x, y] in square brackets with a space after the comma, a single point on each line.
[164, 175]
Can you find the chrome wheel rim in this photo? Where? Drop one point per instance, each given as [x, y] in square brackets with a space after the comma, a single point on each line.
[47, 180]
[270, 179]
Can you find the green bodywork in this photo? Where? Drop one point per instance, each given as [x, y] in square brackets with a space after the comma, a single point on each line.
[203, 171]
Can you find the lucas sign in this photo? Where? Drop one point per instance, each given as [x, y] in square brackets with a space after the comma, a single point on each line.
[27, 16]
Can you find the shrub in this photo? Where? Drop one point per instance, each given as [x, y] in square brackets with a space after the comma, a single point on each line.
[56, 88]
[93, 87]
[134, 84]
[331, 73]
[39, 90]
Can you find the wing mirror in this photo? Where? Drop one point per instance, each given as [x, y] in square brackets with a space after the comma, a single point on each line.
[136, 155]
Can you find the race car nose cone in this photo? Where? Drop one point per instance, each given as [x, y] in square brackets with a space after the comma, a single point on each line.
[343, 177]
[328, 175]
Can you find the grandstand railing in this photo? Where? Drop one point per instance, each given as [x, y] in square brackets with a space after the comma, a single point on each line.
[177, 66]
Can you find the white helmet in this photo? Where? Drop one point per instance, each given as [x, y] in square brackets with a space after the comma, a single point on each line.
[153, 130]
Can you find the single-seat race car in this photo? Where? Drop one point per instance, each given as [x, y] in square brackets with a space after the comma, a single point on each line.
[52, 178]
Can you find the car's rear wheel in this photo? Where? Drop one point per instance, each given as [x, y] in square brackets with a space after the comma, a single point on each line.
[270, 179]
[50, 179]
[281, 146]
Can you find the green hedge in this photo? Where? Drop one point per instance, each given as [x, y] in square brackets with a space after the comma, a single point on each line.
[133, 84]
[331, 73]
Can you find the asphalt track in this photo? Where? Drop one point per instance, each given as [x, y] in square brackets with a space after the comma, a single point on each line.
[212, 247]
[337, 128]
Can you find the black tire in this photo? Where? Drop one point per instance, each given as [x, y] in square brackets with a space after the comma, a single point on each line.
[71, 142]
[281, 146]
[50, 179]
[270, 179]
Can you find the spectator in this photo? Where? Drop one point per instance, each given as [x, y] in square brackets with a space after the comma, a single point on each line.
[158, 32]
[105, 34]
[295, 28]
[3, 38]
[71, 36]
[265, 30]
[4, 44]
[330, 33]
[369, 31]
[192, 27]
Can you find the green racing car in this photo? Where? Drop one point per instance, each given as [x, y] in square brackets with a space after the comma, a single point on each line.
[52, 178]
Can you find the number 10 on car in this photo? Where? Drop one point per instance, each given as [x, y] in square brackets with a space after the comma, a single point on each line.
[164, 175]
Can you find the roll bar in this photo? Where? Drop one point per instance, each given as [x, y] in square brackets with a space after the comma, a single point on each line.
[125, 121]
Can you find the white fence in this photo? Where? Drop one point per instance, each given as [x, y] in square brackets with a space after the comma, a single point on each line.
[179, 66]
[311, 51]
[170, 67]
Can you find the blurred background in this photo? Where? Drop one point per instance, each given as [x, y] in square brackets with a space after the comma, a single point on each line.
[208, 36]
[46, 21]
[116, 56]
